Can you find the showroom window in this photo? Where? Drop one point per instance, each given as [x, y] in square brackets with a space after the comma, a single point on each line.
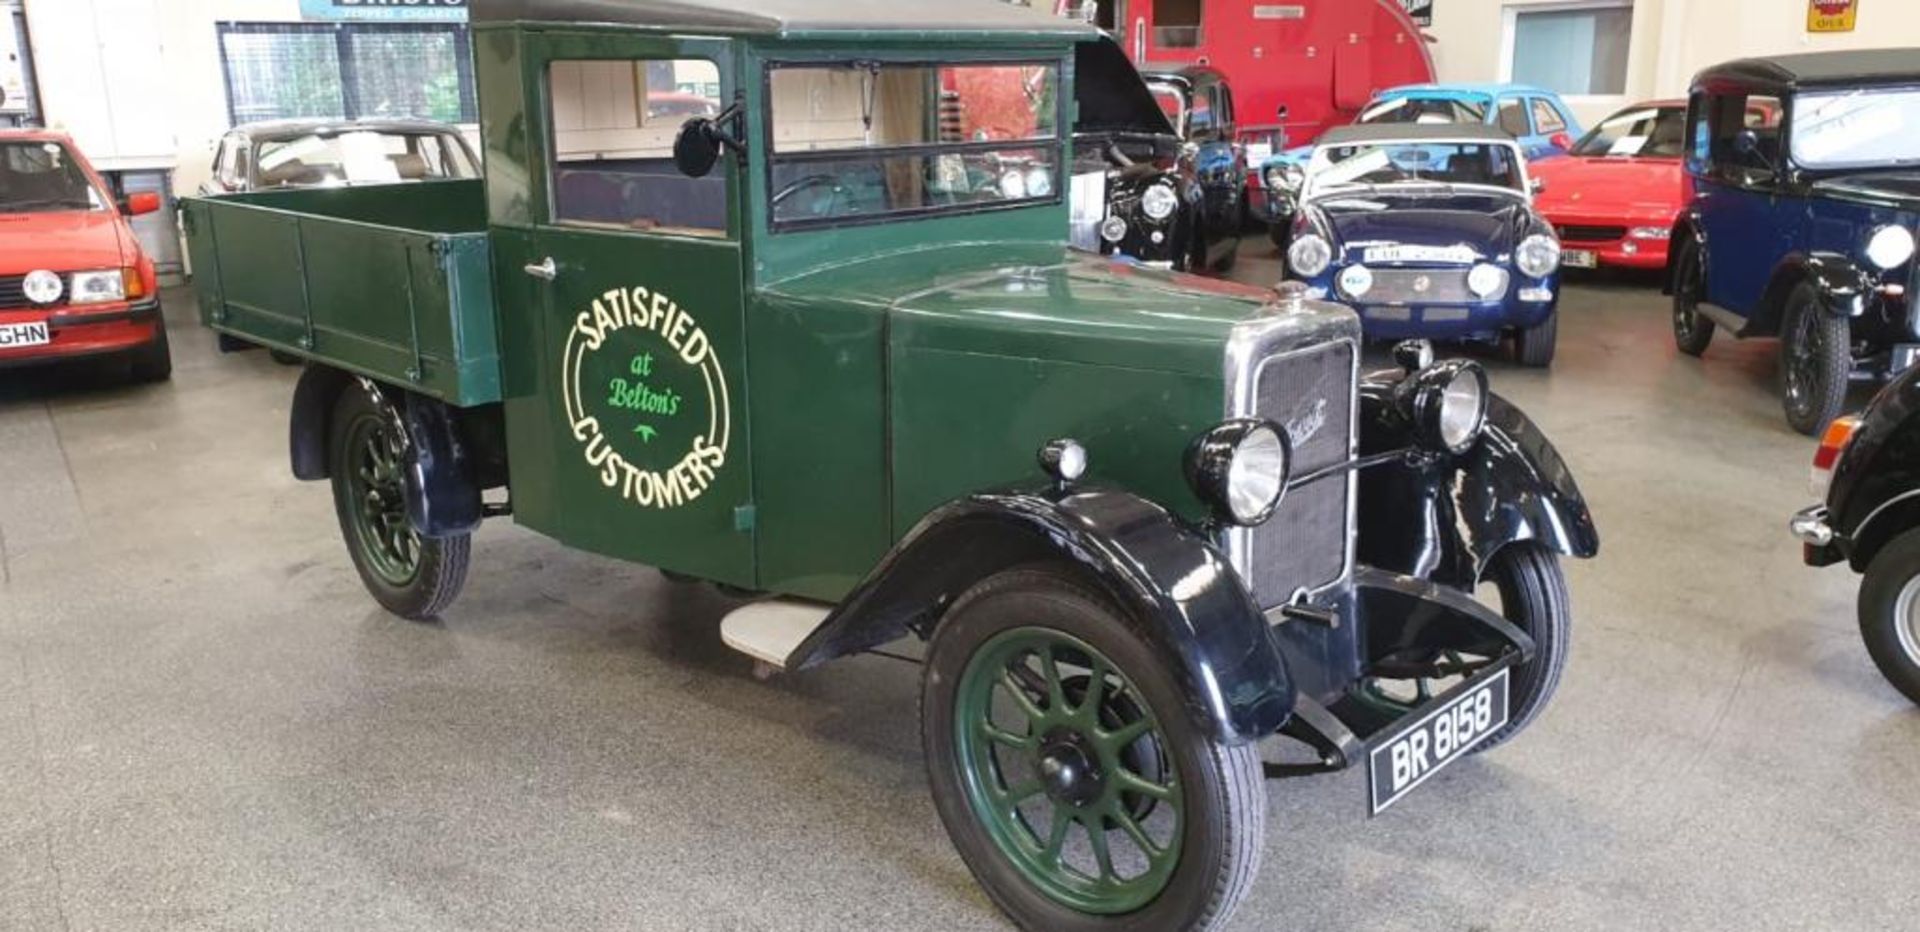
[1571, 49]
[278, 71]
[1176, 23]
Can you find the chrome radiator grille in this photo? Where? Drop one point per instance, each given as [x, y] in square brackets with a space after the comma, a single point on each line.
[1419, 286]
[1306, 544]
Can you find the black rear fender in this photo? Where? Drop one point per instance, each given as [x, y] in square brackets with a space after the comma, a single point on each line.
[1167, 579]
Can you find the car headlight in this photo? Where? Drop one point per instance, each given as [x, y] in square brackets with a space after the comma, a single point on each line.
[1890, 247]
[1649, 233]
[1240, 469]
[42, 286]
[1538, 255]
[1274, 177]
[1487, 281]
[97, 287]
[1158, 202]
[1309, 255]
[1356, 281]
[1448, 404]
[1039, 182]
[1113, 229]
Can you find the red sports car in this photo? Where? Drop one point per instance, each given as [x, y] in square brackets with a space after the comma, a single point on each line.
[1614, 199]
[73, 280]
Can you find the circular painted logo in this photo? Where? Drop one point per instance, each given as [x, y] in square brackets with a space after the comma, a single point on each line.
[42, 286]
[646, 398]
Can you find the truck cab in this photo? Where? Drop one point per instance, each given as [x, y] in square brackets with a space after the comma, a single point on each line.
[778, 296]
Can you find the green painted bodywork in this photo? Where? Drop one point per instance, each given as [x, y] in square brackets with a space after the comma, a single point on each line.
[393, 282]
[870, 371]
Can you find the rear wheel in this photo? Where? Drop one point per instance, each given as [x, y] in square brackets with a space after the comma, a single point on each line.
[409, 575]
[1534, 345]
[1069, 772]
[1889, 610]
[152, 362]
[1691, 331]
[1816, 357]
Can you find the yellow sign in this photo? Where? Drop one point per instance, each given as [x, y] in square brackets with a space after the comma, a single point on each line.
[1832, 15]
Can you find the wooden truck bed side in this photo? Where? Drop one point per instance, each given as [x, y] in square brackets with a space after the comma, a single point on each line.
[393, 282]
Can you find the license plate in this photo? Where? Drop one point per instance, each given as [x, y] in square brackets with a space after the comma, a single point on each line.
[1438, 738]
[1579, 259]
[35, 334]
[1453, 255]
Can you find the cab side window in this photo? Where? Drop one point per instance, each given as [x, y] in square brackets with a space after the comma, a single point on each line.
[612, 133]
[1224, 110]
[1202, 120]
[1513, 118]
[1719, 124]
[1547, 120]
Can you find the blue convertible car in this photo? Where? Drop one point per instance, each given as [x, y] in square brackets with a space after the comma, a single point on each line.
[1429, 231]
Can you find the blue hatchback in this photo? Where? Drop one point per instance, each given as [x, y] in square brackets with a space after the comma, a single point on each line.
[1429, 231]
[1804, 228]
[1538, 119]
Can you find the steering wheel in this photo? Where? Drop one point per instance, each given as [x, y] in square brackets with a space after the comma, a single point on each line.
[831, 182]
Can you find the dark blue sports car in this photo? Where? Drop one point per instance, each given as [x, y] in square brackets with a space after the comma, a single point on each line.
[1429, 231]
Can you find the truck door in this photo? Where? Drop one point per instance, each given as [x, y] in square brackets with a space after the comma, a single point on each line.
[626, 423]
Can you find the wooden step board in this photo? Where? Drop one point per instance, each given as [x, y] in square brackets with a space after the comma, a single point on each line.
[769, 631]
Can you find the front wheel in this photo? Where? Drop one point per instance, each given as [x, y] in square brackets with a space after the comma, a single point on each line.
[1069, 772]
[1533, 595]
[152, 362]
[1691, 331]
[1890, 612]
[1816, 357]
[1533, 347]
[368, 453]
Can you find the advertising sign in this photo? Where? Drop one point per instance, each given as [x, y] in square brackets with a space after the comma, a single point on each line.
[387, 10]
[1832, 15]
[13, 65]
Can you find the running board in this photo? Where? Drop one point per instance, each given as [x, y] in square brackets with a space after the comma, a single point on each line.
[770, 630]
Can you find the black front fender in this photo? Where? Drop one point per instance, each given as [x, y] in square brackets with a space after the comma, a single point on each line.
[1168, 579]
[1444, 517]
[1844, 288]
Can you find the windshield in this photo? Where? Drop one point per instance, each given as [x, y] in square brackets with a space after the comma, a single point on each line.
[42, 177]
[1857, 129]
[1422, 110]
[866, 140]
[1414, 164]
[361, 157]
[1647, 132]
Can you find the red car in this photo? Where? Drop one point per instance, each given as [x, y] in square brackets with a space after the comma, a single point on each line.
[73, 280]
[1614, 199]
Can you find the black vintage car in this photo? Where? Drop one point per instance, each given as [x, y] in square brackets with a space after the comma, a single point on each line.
[1869, 469]
[1804, 229]
[1172, 183]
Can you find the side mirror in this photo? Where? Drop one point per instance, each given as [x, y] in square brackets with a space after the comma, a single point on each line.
[144, 202]
[696, 150]
[1562, 141]
[1537, 184]
[1747, 143]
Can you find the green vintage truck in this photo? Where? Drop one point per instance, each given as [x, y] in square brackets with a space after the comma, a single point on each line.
[776, 295]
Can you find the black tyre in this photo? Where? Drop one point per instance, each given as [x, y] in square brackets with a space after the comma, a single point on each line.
[1890, 612]
[1533, 595]
[1816, 356]
[152, 362]
[1069, 773]
[1534, 346]
[285, 358]
[1691, 331]
[410, 576]
[1280, 233]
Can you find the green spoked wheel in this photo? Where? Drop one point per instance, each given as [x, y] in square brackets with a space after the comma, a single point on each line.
[1069, 772]
[409, 575]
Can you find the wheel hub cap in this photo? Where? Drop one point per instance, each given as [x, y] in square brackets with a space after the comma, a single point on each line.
[1070, 769]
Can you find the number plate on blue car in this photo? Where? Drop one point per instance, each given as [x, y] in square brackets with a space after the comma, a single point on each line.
[1441, 736]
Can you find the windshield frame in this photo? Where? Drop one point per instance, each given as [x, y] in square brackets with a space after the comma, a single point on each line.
[1056, 144]
[1796, 105]
[1311, 190]
[100, 197]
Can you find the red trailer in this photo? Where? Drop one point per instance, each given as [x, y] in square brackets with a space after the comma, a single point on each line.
[1320, 59]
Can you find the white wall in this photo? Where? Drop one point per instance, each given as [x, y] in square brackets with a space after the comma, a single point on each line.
[1672, 39]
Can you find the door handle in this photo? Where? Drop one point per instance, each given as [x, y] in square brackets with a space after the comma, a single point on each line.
[544, 270]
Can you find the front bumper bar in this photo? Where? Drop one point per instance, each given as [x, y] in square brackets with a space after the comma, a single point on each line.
[1820, 544]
